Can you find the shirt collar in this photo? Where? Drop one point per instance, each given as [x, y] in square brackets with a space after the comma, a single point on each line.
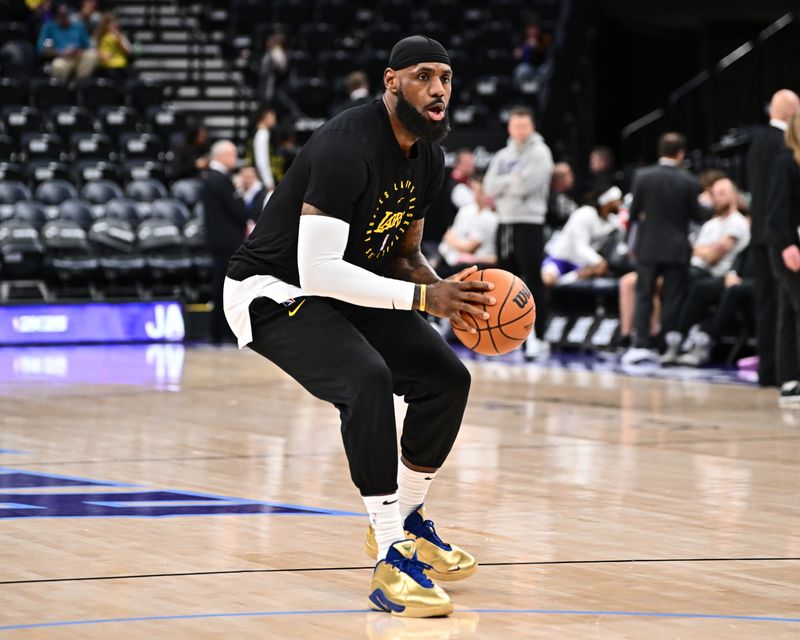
[218, 166]
[668, 162]
[778, 124]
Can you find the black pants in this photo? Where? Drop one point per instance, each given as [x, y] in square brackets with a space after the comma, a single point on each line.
[765, 311]
[735, 310]
[675, 279]
[520, 250]
[703, 293]
[356, 358]
[788, 338]
[219, 331]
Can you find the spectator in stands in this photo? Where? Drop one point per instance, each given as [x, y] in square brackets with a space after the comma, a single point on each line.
[227, 223]
[455, 193]
[665, 200]
[735, 302]
[89, 16]
[573, 253]
[190, 158]
[274, 68]
[601, 170]
[530, 54]
[263, 152]
[561, 203]
[251, 190]
[113, 48]
[720, 240]
[760, 158]
[285, 150]
[66, 42]
[471, 238]
[518, 179]
[783, 220]
[357, 92]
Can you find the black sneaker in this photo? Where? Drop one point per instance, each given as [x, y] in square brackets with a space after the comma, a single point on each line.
[790, 395]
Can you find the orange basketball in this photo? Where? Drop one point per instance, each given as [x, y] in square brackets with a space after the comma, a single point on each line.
[510, 319]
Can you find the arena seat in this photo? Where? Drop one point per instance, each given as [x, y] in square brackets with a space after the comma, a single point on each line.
[122, 209]
[99, 192]
[189, 191]
[77, 211]
[31, 212]
[11, 192]
[39, 171]
[48, 92]
[66, 120]
[18, 119]
[12, 92]
[53, 192]
[85, 171]
[41, 146]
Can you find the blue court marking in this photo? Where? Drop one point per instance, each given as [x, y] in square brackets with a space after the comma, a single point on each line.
[18, 505]
[62, 479]
[11, 451]
[264, 614]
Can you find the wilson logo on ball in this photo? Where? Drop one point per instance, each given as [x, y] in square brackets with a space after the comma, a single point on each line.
[522, 297]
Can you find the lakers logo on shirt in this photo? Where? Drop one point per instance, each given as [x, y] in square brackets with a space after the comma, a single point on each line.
[390, 220]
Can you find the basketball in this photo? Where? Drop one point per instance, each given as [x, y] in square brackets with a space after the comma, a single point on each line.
[510, 320]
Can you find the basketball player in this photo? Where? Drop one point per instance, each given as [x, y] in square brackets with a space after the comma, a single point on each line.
[325, 287]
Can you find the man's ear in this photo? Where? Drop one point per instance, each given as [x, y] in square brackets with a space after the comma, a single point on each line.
[391, 80]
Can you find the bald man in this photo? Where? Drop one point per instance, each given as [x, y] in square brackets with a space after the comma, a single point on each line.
[763, 152]
[226, 222]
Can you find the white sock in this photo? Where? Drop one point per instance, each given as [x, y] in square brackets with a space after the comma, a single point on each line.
[384, 516]
[412, 487]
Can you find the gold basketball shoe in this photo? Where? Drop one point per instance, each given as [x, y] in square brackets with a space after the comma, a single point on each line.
[400, 587]
[447, 561]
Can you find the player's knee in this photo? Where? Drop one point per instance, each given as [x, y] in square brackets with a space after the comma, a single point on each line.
[455, 378]
[371, 377]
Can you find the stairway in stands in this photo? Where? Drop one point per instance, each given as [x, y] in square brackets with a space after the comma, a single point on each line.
[171, 46]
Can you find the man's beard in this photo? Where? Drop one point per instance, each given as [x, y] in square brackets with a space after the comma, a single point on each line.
[419, 125]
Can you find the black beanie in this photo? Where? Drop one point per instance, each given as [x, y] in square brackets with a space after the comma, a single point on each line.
[415, 49]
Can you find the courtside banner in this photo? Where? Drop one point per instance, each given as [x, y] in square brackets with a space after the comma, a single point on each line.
[98, 322]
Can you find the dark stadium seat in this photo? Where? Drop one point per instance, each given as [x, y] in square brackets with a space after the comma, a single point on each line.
[49, 92]
[291, 12]
[162, 245]
[11, 192]
[41, 146]
[189, 191]
[19, 119]
[318, 36]
[492, 92]
[113, 241]
[53, 192]
[141, 146]
[31, 212]
[143, 93]
[87, 170]
[198, 286]
[99, 92]
[164, 121]
[116, 120]
[336, 63]
[17, 59]
[68, 119]
[12, 91]
[122, 209]
[91, 146]
[98, 192]
[77, 211]
[10, 171]
[22, 256]
[38, 171]
[70, 264]
[143, 170]
[146, 190]
[172, 210]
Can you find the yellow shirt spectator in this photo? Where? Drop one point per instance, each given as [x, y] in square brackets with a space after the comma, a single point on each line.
[112, 53]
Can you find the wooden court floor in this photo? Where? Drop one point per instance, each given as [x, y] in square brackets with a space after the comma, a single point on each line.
[599, 505]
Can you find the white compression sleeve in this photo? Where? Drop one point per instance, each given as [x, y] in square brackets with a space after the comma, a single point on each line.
[324, 272]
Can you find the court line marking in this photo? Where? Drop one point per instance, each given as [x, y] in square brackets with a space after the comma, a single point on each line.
[371, 567]
[262, 614]
[323, 454]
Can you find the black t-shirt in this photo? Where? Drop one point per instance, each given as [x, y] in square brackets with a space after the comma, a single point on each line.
[352, 169]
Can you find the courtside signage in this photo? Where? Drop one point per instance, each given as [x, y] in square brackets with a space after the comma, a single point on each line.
[92, 322]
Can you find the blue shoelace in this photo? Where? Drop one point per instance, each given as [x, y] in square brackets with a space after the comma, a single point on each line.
[427, 531]
[413, 567]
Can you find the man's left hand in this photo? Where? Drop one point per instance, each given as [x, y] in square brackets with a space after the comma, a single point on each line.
[791, 257]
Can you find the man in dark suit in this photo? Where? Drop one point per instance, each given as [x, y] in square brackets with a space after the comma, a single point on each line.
[760, 160]
[227, 224]
[357, 93]
[665, 200]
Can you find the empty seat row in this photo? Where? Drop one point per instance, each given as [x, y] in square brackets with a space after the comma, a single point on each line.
[34, 172]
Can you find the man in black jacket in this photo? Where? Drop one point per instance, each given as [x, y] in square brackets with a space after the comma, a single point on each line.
[760, 168]
[664, 202]
[227, 223]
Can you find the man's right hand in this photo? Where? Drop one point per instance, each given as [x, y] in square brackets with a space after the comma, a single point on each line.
[791, 257]
[452, 297]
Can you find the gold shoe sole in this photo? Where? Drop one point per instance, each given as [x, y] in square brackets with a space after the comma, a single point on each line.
[451, 576]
